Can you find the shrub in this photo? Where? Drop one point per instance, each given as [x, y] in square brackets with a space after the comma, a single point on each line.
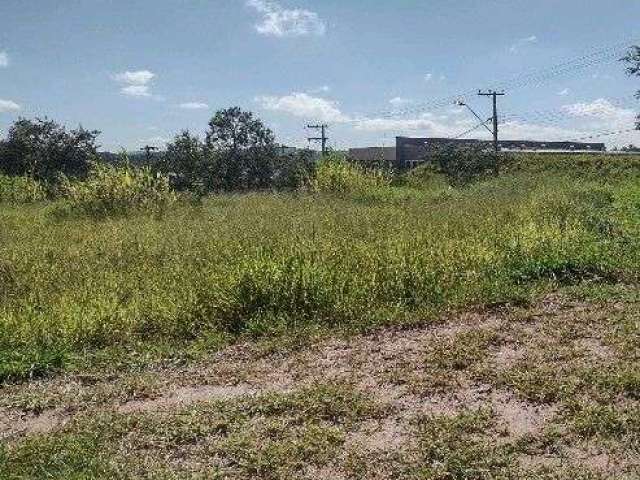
[112, 191]
[295, 171]
[336, 175]
[19, 190]
[463, 164]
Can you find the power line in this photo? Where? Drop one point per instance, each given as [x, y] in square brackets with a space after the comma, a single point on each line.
[467, 132]
[605, 134]
[537, 77]
[551, 117]
[483, 123]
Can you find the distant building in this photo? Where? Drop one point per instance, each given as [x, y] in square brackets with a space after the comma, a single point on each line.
[285, 150]
[412, 151]
[370, 155]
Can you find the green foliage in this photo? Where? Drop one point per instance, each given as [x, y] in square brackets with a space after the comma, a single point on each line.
[583, 167]
[295, 171]
[632, 58]
[272, 436]
[42, 149]
[242, 149]
[334, 175]
[114, 191]
[457, 448]
[19, 190]
[260, 264]
[464, 163]
[425, 177]
[71, 454]
[188, 161]
[239, 154]
[605, 421]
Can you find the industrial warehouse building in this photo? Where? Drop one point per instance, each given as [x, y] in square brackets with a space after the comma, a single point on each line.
[410, 152]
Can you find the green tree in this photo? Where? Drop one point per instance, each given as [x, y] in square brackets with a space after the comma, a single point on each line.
[188, 161]
[43, 149]
[242, 150]
[633, 60]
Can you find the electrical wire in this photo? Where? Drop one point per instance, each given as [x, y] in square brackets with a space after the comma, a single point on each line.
[570, 67]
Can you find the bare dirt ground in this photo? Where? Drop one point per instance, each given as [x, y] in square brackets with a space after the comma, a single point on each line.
[525, 366]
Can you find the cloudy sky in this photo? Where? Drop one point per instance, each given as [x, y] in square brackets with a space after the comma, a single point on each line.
[141, 70]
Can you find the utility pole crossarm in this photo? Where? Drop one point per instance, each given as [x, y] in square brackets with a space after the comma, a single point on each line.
[494, 95]
[323, 129]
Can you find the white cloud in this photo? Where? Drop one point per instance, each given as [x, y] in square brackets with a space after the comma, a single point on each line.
[426, 126]
[9, 106]
[428, 77]
[399, 101]
[515, 48]
[4, 59]
[517, 130]
[139, 77]
[194, 106]
[136, 91]
[564, 92]
[305, 106]
[601, 111]
[135, 83]
[278, 21]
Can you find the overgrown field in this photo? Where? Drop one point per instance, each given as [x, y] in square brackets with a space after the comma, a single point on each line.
[145, 334]
[78, 291]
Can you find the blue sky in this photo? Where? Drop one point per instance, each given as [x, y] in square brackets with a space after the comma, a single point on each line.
[142, 70]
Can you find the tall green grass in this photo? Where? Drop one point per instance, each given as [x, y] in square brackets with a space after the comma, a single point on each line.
[21, 190]
[334, 175]
[262, 264]
[114, 191]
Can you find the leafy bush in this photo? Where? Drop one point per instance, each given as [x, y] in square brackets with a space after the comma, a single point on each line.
[295, 171]
[19, 190]
[464, 163]
[336, 175]
[113, 191]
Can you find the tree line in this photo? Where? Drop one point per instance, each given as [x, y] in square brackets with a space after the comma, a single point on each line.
[238, 153]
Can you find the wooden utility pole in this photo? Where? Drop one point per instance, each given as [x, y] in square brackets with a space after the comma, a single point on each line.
[323, 138]
[495, 95]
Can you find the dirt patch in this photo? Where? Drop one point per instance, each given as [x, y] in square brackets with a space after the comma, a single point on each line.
[518, 417]
[594, 348]
[508, 355]
[593, 459]
[186, 396]
[389, 434]
[15, 425]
